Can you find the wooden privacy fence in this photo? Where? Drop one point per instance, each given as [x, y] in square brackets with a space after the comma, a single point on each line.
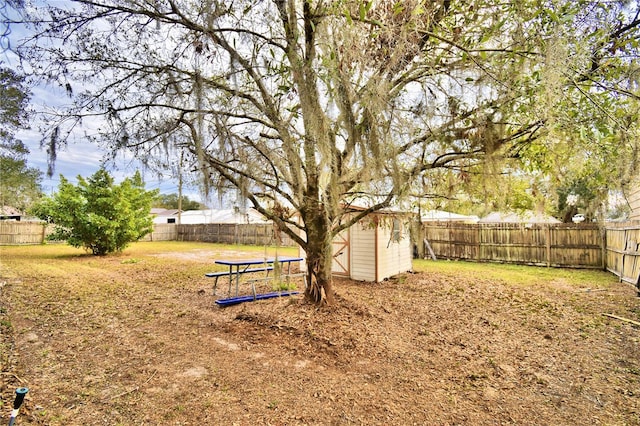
[14, 233]
[228, 233]
[623, 251]
[162, 232]
[562, 245]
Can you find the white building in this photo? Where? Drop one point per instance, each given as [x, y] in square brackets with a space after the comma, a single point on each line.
[444, 216]
[191, 217]
[161, 216]
[221, 216]
[526, 216]
[633, 197]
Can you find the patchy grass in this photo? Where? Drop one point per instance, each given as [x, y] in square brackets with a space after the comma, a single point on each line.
[136, 339]
[520, 274]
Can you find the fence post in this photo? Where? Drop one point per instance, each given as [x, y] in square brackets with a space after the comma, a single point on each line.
[624, 253]
[548, 248]
[603, 241]
[479, 244]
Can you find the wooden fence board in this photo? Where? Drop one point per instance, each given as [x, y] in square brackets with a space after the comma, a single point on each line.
[535, 244]
[162, 232]
[623, 252]
[224, 233]
[14, 233]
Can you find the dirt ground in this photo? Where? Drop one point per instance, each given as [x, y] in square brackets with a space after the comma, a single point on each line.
[138, 341]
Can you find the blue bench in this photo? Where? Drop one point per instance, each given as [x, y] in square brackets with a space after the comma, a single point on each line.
[217, 275]
[254, 297]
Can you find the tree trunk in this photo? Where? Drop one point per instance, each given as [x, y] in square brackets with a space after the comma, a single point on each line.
[319, 283]
[319, 250]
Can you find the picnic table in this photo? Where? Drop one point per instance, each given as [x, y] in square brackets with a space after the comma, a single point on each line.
[238, 267]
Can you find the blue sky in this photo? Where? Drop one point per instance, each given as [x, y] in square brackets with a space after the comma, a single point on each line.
[79, 157]
[84, 159]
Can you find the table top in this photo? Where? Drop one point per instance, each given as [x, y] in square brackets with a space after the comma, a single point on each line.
[242, 262]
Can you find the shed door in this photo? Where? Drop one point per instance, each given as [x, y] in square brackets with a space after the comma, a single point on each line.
[340, 264]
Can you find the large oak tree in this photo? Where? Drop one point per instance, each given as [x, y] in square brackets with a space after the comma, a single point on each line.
[310, 106]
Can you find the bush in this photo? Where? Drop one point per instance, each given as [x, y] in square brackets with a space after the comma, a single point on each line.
[98, 215]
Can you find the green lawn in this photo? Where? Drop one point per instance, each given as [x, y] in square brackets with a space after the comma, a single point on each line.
[515, 274]
[519, 274]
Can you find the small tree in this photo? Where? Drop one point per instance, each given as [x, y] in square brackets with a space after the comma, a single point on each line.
[98, 215]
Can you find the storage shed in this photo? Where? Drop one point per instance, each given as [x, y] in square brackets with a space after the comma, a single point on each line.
[374, 249]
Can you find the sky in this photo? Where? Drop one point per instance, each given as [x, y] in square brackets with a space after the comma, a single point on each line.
[84, 159]
[79, 157]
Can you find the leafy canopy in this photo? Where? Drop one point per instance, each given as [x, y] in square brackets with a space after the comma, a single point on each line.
[97, 214]
[309, 106]
[340, 99]
[19, 183]
[172, 201]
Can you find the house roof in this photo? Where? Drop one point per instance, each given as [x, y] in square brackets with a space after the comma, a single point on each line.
[164, 212]
[9, 211]
[526, 216]
[221, 216]
[436, 215]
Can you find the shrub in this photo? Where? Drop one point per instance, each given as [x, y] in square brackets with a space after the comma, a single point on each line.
[97, 214]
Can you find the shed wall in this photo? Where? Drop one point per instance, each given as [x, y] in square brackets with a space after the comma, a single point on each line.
[394, 257]
[375, 255]
[363, 252]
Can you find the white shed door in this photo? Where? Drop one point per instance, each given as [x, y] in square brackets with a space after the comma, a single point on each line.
[340, 264]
